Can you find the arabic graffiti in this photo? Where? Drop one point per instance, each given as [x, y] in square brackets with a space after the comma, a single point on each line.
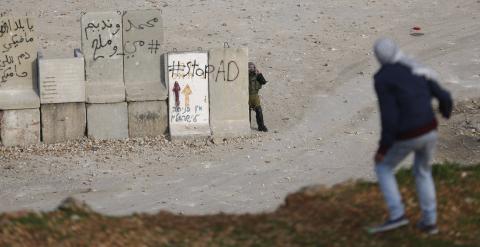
[141, 33]
[140, 26]
[102, 36]
[16, 48]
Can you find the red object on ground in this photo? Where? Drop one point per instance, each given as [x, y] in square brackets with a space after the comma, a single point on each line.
[416, 28]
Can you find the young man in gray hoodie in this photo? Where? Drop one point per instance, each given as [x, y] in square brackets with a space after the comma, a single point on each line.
[405, 90]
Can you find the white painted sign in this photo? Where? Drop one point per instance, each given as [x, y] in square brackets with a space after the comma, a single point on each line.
[188, 94]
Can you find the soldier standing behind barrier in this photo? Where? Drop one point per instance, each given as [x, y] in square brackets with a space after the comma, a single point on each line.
[256, 80]
[405, 90]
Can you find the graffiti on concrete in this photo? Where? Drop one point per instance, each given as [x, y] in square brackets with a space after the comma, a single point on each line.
[229, 71]
[102, 35]
[141, 33]
[188, 88]
[17, 48]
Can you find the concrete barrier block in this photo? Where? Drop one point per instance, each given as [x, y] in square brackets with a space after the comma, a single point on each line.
[18, 49]
[20, 127]
[188, 94]
[228, 86]
[149, 118]
[107, 121]
[61, 80]
[143, 46]
[62, 122]
[103, 52]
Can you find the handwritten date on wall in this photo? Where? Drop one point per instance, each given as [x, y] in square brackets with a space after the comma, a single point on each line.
[16, 42]
[186, 114]
[103, 35]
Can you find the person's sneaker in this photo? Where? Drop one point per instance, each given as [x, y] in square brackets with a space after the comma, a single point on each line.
[428, 229]
[389, 225]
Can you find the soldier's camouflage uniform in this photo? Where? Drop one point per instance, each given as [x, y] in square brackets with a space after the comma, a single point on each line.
[256, 81]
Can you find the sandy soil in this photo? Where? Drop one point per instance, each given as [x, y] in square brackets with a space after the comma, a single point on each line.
[319, 103]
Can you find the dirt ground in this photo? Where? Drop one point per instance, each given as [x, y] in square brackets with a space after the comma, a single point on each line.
[319, 104]
[460, 137]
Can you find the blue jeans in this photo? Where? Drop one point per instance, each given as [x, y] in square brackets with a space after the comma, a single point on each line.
[423, 148]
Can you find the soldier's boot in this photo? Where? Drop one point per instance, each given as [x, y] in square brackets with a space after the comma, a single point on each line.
[250, 115]
[260, 123]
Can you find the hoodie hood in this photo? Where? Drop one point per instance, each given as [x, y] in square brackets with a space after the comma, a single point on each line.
[387, 52]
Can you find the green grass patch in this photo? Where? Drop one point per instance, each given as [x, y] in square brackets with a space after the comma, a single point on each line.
[32, 220]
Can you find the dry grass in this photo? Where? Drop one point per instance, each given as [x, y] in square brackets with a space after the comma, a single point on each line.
[315, 216]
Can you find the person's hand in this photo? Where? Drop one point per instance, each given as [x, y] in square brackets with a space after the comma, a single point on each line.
[378, 158]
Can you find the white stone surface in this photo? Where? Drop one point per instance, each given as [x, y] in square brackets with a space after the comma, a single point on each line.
[61, 80]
